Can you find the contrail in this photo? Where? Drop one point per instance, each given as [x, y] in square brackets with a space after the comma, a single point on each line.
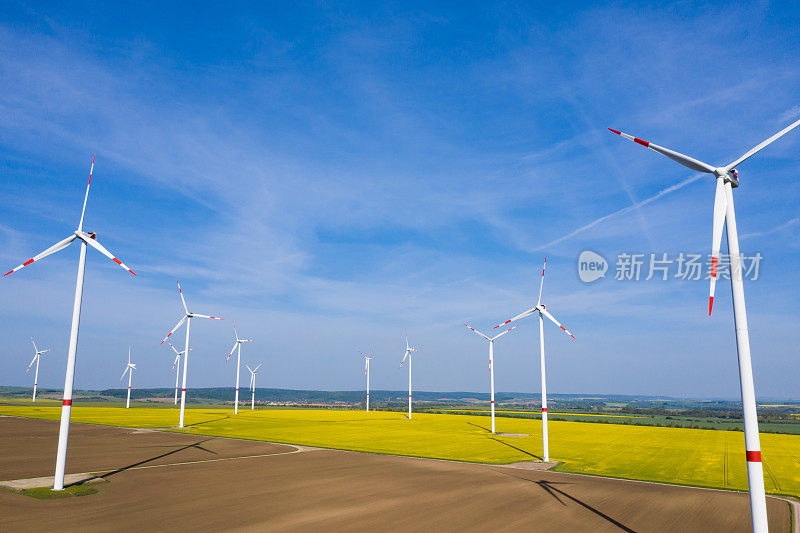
[776, 229]
[624, 210]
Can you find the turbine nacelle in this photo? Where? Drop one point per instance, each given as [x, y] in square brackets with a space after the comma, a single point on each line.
[731, 175]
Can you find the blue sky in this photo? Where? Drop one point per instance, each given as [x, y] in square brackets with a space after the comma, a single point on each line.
[332, 177]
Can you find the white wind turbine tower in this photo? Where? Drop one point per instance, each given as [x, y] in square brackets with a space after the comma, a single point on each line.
[540, 308]
[188, 319]
[491, 363]
[36, 360]
[237, 344]
[253, 372]
[366, 373]
[409, 349]
[727, 178]
[129, 368]
[176, 364]
[86, 239]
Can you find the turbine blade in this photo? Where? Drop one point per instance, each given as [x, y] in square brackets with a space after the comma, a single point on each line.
[179, 324]
[235, 333]
[123, 372]
[506, 331]
[99, 247]
[34, 345]
[182, 299]
[206, 316]
[235, 344]
[175, 362]
[684, 160]
[556, 322]
[53, 249]
[404, 357]
[541, 283]
[86, 197]
[764, 144]
[173, 348]
[478, 332]
[720, 207]
[45, 351]
[521, 315]
[256, 368]
[32, 361]
[248, 367]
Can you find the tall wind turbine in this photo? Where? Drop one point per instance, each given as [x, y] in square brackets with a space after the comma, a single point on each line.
[176, 367]
[409, 349]
[540, 308]
[237, 344]
[36, 358]
[129, 368]
[86, 239]
[491, 363]
[188, 319]
[253, 372]
[727, 178]
[366, 373]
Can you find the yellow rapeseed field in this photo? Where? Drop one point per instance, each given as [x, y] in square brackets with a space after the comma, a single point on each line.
[672, 455]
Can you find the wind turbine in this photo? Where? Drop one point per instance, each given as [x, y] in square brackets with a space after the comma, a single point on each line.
[253, 373]
[540, 308]
[491, 362]
[237, 344]
[409, 349]
[129, 368]
[366, 373]
[188, 319]
[36, 359]
[727, 178]
[86, 239]
[176, 363]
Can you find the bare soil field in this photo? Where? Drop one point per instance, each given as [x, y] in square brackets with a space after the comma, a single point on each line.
[159, 481]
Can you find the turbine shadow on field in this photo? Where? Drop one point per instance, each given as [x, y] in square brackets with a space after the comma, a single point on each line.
[518, 449]
[207, 421]
[548, 487]
[128, 467]
[487, 430]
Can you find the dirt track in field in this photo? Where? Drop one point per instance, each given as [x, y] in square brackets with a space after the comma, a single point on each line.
[206, 483]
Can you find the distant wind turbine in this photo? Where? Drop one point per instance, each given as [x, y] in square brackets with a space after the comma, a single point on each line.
[86, 239]
[188, 319]
[176, 367]
[409, 349]
[727, 179]
[36, 357]
[129, 368]
[540, 308]
[253, 372]
[366, 373]
[237, 344]
[491, 363]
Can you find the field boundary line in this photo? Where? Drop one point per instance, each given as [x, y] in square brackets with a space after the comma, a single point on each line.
[298, 449]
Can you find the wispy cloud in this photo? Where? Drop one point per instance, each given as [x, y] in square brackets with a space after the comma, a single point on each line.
[624, 210]
[790, 114]
[776, 229]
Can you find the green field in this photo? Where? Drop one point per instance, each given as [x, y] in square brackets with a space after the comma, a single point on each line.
[672, 455]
